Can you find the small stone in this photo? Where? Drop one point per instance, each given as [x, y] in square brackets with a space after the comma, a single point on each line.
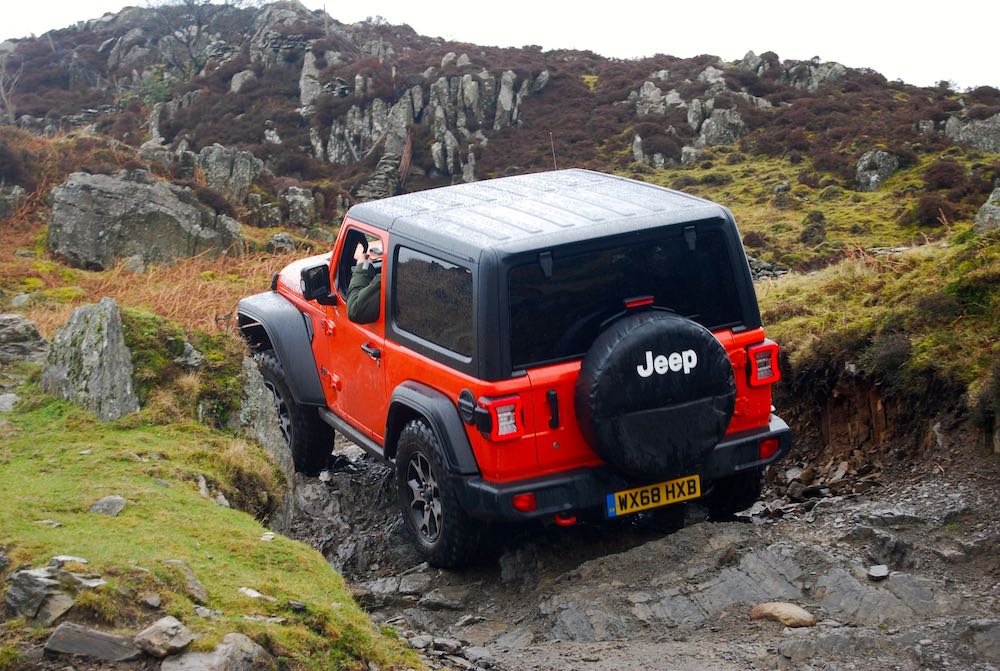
[449, 645]
[297, 606]
[201, 611]
[161, 483]
[192, 586]
[878, 572]
[415, 583]
[73, 639]
[467, 620]
[220, 500]
[49, 523]
[421, 642]
[787, 614]
[254, 594]
[459, 663]
[153, 601]
[444, 598]
[109, 505]
[164, 637]
[237, 653]
[268, 536]
[60, 560]
[265, 618]
[925, 641]
[479, 655]
[86, 452]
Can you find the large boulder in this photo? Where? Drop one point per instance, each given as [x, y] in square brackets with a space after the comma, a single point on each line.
[19, 340]
[97, 219]
[89, 363]
[873, 168]
[983, 134]
[229, 171]
[723, 127]
[988, 217]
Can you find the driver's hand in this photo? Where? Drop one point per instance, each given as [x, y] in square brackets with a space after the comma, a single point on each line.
[359, 254]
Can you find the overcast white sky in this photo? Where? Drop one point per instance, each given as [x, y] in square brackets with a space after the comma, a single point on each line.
[920, 43]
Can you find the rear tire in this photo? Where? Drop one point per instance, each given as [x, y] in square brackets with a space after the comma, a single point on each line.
[734, 494]
[445, 535]
[309, 438]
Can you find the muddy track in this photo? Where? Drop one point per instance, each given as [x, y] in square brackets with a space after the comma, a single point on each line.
[630, 596]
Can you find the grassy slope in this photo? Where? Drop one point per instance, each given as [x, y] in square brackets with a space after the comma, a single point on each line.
[41, 461]
[924, 324]
[852, 219]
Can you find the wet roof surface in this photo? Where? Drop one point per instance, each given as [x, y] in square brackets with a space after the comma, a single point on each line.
[534, 211]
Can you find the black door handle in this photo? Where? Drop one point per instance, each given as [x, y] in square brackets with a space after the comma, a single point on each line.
[553, 398]
[373, 352]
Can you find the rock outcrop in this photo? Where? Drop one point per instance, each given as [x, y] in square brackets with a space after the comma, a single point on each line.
[299, 205]
[11, 199]
[259, 420]
[983, 134]
[873, 168]
[97, 219]
[722, 127]
[384, 182]
[988, 217]
[89, 363]
[229, 171]
[811, 76]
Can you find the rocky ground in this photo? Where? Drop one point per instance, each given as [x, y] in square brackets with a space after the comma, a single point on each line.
[629, 596]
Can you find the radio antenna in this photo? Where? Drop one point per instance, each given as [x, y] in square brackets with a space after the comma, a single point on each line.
[555, 166]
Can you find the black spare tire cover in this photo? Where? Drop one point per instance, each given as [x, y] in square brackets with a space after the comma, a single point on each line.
[655, 395]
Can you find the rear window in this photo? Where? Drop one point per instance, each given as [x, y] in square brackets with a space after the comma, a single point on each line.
[558, 317]
[433, 300]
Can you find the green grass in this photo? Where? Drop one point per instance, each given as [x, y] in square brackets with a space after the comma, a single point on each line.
[47, 477]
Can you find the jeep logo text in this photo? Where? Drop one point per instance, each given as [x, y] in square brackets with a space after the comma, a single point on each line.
[674, 362]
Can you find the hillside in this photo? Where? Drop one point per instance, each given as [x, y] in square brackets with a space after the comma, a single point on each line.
[172, 158]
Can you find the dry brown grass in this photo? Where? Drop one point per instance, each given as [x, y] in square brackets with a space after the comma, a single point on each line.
[200, 292]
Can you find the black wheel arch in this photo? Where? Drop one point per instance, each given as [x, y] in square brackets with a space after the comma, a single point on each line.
[269, 321]
[415, 400]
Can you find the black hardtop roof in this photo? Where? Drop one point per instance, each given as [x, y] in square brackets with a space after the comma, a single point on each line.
[534, 211]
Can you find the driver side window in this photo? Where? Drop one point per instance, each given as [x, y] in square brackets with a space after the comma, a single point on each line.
[359, 276]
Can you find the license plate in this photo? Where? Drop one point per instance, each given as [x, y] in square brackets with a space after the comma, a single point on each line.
[631, 501]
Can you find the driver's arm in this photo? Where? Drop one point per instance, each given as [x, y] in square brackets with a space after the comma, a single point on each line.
[364, 294]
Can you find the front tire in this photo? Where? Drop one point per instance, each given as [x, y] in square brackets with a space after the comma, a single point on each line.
[445, 535]
[309, 438]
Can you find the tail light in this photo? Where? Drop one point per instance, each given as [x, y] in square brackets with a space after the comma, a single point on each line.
[763, 364]
[768, 448]
[503, 418]
[525, 503]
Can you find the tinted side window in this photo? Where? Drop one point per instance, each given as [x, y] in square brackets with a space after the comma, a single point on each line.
[433, 300]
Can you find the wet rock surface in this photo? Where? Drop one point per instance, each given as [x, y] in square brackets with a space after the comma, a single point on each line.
[628, 596]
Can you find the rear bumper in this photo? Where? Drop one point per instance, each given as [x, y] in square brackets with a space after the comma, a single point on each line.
[586, 489]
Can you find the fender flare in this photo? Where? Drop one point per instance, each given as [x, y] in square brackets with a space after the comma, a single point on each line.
[442, 414]
[289, 332]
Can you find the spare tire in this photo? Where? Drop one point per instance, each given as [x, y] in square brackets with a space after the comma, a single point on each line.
[655, 394]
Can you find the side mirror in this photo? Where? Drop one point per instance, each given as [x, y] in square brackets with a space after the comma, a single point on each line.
[315, 285]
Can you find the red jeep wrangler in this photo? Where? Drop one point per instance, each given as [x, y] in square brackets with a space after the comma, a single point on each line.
[547, 346]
